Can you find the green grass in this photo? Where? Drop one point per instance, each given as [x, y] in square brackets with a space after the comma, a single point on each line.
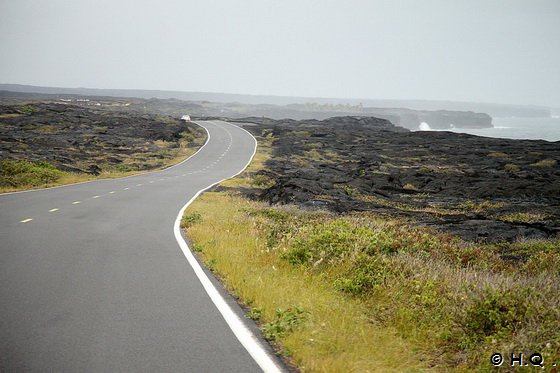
[23, 173]
[459, 300]
[359, 293]
[317, 327]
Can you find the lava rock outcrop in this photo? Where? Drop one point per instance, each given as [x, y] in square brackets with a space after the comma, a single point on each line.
[481, 189]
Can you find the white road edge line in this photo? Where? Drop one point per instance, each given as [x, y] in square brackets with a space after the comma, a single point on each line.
[243, 334]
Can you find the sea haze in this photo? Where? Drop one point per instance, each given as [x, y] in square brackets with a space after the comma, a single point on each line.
[519, 128]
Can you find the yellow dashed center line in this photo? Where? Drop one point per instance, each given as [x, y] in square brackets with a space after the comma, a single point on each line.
[127, 188]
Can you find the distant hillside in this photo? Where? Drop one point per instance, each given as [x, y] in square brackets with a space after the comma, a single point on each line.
[494, 110]
[408, 118]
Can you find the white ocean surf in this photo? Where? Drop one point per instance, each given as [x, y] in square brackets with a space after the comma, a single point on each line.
[514, 128]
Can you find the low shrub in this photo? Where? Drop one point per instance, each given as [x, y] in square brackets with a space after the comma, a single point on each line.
[365, 274]
[464, 299]
[494, 312]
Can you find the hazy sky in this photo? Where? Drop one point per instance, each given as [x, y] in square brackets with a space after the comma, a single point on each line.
[472, 50]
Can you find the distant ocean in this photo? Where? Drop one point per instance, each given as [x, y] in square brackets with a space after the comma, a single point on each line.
[518, 128]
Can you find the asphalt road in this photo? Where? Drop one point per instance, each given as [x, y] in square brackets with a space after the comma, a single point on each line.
[96, 280]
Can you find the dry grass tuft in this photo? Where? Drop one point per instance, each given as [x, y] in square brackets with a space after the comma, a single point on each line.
[545, 163]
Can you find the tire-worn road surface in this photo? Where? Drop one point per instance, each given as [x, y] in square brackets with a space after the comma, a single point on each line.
[96, 281]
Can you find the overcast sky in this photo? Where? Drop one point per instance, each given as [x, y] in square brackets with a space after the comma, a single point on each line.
[470, 50]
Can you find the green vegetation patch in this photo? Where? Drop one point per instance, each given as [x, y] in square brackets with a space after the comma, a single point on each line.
[23, 173]
[191, 219]
[459, 301]
[27, 109]
[285, 322]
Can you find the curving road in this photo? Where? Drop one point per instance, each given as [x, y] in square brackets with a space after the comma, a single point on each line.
[92, 278]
